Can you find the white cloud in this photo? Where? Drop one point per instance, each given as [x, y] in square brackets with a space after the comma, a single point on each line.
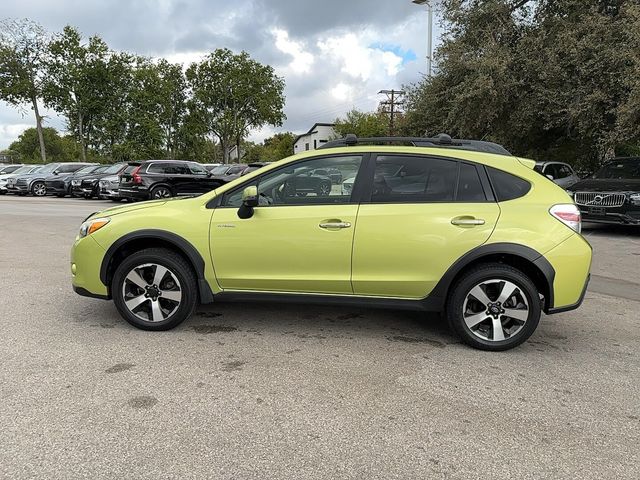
[10, 133]
[302, 60]
[341, 92]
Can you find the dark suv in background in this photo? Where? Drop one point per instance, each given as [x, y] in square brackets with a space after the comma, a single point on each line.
[87, 184]
[612, 194]
[34, 183]
[60, 185]
[154, 179]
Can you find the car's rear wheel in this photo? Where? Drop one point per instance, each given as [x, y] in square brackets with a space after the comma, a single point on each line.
[494, 307]
[154, 289]
[39, 189]
[161, 192]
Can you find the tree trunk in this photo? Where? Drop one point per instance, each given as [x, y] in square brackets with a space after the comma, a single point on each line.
[225, 150]
[43, 153]
[83, 148]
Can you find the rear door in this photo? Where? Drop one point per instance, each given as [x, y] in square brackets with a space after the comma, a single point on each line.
[422, 214]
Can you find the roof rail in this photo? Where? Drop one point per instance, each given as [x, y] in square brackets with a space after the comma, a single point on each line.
[441, 141]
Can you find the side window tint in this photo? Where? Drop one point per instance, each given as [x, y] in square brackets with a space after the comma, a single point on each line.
[299, 184]
[413, 179]
[156, 168]
[507, 186]
[469, 185]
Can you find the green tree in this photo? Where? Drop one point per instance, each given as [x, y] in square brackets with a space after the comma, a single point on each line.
[23, 49]
[233, 94]
[362, 124]
[278, 146]
[548, 79]
[78, 84]
[60, 148]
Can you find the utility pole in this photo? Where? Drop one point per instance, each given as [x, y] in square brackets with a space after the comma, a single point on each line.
[390, 106]
[430, 32]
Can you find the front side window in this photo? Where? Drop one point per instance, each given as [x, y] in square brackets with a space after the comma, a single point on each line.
[298, 184]
[407, 179]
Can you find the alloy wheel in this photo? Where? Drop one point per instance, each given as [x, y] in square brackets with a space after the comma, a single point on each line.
[162, 193]
[495, 310]
[325, 189]
[39, 189]
[152, 292]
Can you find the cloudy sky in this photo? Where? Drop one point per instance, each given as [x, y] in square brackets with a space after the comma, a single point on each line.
[333, 54]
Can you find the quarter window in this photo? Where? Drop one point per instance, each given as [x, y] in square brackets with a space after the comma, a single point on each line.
[299, 184]
[507, 186]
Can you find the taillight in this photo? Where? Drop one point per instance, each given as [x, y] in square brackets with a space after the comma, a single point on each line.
[137, 179]
[568, 214]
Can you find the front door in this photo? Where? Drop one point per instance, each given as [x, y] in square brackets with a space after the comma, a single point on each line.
[424, 213]
[296, 241]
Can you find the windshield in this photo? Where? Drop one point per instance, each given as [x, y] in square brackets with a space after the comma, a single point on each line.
[620, 169]
[25, 169]
[221, 170]
[101, 169]
[113, 168]
[49, 168]
[87, 169]
[197, 169]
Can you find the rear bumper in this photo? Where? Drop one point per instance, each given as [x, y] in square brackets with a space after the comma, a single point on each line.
[571, 261]
[138, 194]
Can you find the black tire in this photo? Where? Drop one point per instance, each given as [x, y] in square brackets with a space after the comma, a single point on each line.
[527, 294]
[178, 267]
[39, 189]
[60, 195]
[161, 192]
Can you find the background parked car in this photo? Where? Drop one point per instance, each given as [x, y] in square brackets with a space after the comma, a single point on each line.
[6, 178]
[612, 194]
[211, 166]
[87, 185]
[60, 184]
[164, 179]
[5, 169]
[560, 173]
[34, 182]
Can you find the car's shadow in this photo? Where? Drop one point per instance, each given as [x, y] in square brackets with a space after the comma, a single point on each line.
[600, 229]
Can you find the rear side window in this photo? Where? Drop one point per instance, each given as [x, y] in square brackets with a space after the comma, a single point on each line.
[469, 185]
[70, 168]
[413, 179]
[507, 186]
[130, 168]
[167, 169]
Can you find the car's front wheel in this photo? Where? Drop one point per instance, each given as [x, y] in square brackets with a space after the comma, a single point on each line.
[39, 189]
[494, 307]
[154, 289]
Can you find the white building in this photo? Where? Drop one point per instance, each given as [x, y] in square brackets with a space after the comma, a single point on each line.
[319, 134]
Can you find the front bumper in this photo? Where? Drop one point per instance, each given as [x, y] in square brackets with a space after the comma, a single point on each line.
[86, 259]
[82, 191]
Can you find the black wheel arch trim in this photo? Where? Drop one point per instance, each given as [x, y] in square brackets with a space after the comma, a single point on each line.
[184, 246]
[437, 298]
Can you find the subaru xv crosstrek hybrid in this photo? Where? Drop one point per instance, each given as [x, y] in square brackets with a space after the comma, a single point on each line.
[438, 224]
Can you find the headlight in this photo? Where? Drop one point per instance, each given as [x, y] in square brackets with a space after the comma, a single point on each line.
[75, 183]
[572, 194]
[93, 225]
[635, 198]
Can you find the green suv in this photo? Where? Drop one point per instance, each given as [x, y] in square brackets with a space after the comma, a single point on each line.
[432, 224]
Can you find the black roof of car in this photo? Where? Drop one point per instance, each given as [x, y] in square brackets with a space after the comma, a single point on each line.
[441, 141]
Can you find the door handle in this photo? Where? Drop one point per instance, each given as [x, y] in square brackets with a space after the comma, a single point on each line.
[331, 225]
[467, 221]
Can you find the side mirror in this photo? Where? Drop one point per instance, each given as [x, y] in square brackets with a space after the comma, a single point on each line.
[249, 201]
[550, 177]
[55, 172]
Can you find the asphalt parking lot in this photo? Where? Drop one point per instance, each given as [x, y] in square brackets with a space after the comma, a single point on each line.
[297, 391]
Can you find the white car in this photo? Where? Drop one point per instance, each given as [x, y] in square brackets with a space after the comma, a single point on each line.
[560, 173]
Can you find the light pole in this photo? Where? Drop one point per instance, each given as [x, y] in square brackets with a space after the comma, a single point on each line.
[430, 33]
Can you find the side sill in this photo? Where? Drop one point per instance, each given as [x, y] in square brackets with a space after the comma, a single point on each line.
[426, 304]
